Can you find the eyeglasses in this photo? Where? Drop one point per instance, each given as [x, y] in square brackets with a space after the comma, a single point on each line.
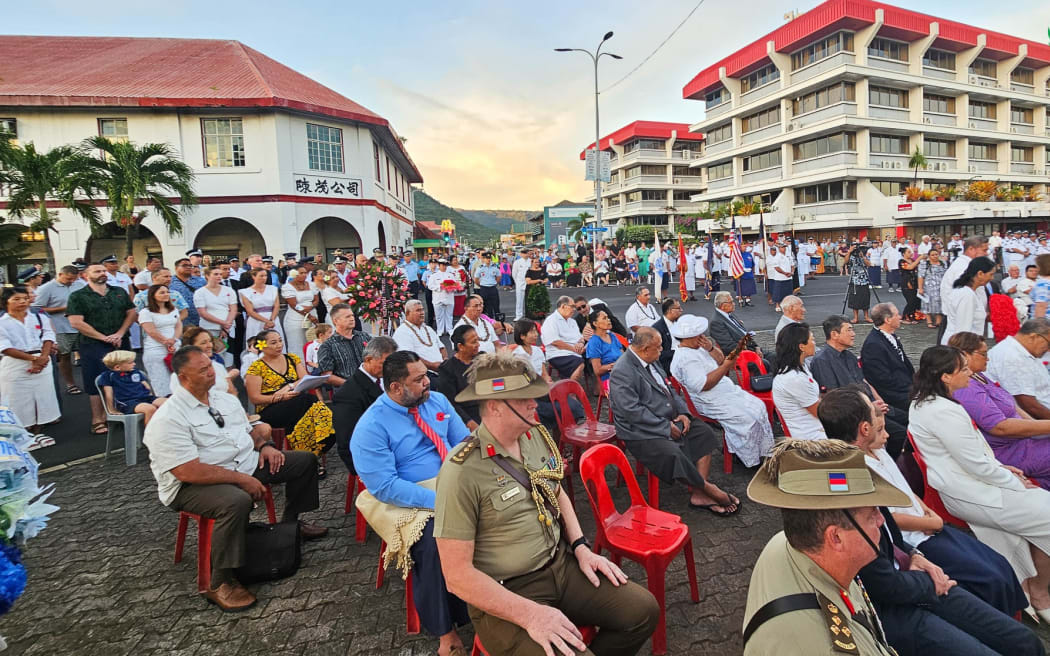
[219, 421]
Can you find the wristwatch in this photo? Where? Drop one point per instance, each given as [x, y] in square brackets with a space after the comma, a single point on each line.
[577, 542]
[915, 552]
[266, 444]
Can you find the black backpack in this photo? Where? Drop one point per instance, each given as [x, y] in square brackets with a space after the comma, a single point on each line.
[273, 551]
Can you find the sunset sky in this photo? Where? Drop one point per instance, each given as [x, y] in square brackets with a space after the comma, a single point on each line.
[493, 116]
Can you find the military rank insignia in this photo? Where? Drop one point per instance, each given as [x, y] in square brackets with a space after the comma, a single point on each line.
[838, 627]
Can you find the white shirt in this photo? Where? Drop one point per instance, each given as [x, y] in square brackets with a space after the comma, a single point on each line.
[144, 279]
[26, 335]
[311, 351]
[784, 321]
[558, 328]
[925, 247]
[953, 273]
[891, 257]
[119, 279]
[518, 269]
[1018, 372]
[793, 392]
[965, 312]
[162, 323]
[411, 338]
[217, 305]
[182, 431]
[536, 358]
[640, 316]
[487, 340]
[221, 382]
[778, 261]
[434, 284]
[884, 466]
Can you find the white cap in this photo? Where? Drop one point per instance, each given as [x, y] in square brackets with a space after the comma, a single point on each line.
[689, 325]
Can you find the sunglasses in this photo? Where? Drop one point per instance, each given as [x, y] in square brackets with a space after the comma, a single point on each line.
[219, 421]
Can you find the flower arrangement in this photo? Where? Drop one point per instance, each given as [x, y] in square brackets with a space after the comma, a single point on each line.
[451, 286]
[377, 292]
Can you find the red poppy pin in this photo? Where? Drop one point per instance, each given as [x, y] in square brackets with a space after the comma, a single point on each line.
[440, 416]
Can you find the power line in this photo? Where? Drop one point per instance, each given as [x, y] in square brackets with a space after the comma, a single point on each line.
[662, 43]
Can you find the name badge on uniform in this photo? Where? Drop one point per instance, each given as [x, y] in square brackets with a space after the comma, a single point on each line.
[511, 493]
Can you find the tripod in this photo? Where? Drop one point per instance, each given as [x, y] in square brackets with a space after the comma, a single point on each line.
[851, 286]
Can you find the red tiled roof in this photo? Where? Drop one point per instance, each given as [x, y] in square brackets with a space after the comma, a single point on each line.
[647, 129]
[132, 72]
[853, 15]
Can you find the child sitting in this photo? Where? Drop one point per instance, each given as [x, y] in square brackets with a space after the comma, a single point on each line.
[324, 331]
[632, 268]
[126, 388]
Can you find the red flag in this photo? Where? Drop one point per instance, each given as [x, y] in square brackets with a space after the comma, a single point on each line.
[683, 268]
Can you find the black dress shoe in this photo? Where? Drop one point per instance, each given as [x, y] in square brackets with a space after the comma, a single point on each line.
[312, 531]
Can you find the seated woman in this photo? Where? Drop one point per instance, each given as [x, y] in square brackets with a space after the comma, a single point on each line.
[1009, 430]
[795, 393]
[197, 336]
[526, 347]
[1005, 510]
[270, 382]
[452, 374]
[603, 349]
[489, 332]
[701, 367]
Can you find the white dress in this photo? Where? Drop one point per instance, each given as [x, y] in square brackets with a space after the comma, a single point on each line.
[154, 352]
[217, 305]
[331, 296]
[295, 324]
[793, 392]
[263, 303]
[742, 415]
[536, 358]
[31, 397]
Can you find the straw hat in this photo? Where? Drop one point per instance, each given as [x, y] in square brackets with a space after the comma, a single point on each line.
[501, 376]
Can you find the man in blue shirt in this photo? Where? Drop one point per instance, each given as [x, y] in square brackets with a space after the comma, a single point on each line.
[411, 268]
[398, 446]
[184, 284]
[487, 278]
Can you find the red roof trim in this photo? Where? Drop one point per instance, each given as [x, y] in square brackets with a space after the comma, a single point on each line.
[852, 14]
[647, 130]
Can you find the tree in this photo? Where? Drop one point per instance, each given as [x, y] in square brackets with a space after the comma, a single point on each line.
[33, 179]
[917, 159]
[574, 227]
[130, 175]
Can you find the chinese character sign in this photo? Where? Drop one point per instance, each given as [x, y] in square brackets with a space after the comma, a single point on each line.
[327, 186]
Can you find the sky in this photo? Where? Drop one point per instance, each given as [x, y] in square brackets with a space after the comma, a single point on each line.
[493, 117]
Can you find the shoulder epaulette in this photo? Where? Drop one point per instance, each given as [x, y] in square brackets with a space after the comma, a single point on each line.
[839, 627]
[460, 456]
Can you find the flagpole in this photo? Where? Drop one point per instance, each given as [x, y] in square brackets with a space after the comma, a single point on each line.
[765, 245]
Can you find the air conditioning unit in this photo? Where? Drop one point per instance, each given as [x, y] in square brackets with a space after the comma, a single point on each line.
[896, 165]
[927, 119]
[677, 181]
[973, 125]
[973, 79]
[973, 169]
[9, 126]
[883, 164]
[790, 127]
[1014, 130]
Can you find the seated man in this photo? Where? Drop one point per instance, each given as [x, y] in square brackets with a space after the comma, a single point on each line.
[452, 374]
[350, 401]
[672, 310]
[848, 415]
[885, 364]
[702, 369]
[528, 582]
[836, 366]
[414, 335]
[641, 314]
[489, 332]
[1016, 364]
[727, 328]
[794, 312]
[654, 424]
[209, 460]
[340, 355]
[398, 447]
[563, 340]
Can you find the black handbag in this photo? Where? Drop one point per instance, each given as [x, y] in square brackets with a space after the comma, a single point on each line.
[273, 551]
[759, 382]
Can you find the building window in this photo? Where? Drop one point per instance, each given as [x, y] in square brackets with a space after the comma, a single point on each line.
[833, 143]
[1022, 115]
[654, 194]
[983, 67]
[760, 78]
[720, 171]
[828, 192]
[114, 129]
[811, 54]
[762, 119]
[717, 97]
[814, 100]
[939, 148]
[982, 110]
[648, 220]
[223, 142]
[650, 144]
[938, 104]
[887, 144]
[634, 197]
[887, 97]
[375, 155]
[1023, 76]
[890, 187]
[683, 195]
[985, 151]
[632, 172]
[939, 59]
[886, 49]
[1021, 154]
[685, 171]
[654, 169]
[388, 184]
[9, 127]
[719, 134]
[760, 161]
[324, 148]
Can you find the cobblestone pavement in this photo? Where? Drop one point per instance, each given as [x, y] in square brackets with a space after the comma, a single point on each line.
[102, 578]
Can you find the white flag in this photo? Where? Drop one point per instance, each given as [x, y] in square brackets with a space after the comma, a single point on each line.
[658, 274]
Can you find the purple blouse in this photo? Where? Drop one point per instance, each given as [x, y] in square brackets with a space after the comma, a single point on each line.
[988, 404]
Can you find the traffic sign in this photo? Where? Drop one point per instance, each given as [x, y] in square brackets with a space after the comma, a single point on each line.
[602, 168]
[594, 229]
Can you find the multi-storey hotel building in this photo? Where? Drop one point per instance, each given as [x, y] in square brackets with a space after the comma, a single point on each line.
[651, 180]
[818, 119]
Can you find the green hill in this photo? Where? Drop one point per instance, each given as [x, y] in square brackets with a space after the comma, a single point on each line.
[498, 219]
[474, 233]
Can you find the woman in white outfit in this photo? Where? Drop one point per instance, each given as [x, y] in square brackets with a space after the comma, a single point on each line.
[216, 304]
[964, 307]
[26, 383]
[701, 368]
[301, 299]
[261, 305]
[162, 332]
[1005, 510]
[331, 294]
[795, 394]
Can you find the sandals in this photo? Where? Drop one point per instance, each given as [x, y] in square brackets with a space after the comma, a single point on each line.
[40, 441]
[710, 507]
[101, 428]
[73, 390]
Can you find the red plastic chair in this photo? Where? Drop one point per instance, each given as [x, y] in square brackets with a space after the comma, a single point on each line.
[204, 529]
[603, 397]
[588, 633]
[641, 533]
[931, 497]
[743, 375]
[783, 424]
[727, 456]
[582, 436]
[361, 526]
[411, 615]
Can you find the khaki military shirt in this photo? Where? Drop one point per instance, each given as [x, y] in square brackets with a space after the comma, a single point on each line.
[479, 501]
[782, 570]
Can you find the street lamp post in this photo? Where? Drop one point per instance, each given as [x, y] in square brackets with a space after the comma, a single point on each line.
[595, 56]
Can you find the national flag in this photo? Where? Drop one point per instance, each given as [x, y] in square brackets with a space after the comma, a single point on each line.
[497, 385]
[658, 267]
[736, 261]
[837, 482]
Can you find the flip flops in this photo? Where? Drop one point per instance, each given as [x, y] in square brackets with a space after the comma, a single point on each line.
[710, 507]
[40, 441]
[73, 390]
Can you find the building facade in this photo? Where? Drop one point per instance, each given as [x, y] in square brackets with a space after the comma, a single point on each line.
[651, 177]
[282, 163]
[818, 120]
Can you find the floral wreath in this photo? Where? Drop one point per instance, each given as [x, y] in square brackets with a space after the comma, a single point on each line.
[376, 291]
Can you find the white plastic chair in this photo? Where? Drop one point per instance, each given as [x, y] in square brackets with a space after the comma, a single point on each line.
[131, 426]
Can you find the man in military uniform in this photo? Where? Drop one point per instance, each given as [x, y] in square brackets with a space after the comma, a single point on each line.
[805, 598]
[486, 277]
[510, 543]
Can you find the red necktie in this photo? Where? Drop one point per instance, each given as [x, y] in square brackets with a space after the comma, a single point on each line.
[439, 443]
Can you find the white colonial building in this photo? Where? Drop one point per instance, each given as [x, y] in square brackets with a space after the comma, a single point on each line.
[283, 163]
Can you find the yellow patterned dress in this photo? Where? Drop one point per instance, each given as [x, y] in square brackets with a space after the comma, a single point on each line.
[307, 422]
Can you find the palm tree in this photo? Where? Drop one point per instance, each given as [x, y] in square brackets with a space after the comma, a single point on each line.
[131, 175]
[575, 226]
[33, 179]
[917, 160]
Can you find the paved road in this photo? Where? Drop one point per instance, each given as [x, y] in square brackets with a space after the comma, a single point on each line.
[822, 296]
